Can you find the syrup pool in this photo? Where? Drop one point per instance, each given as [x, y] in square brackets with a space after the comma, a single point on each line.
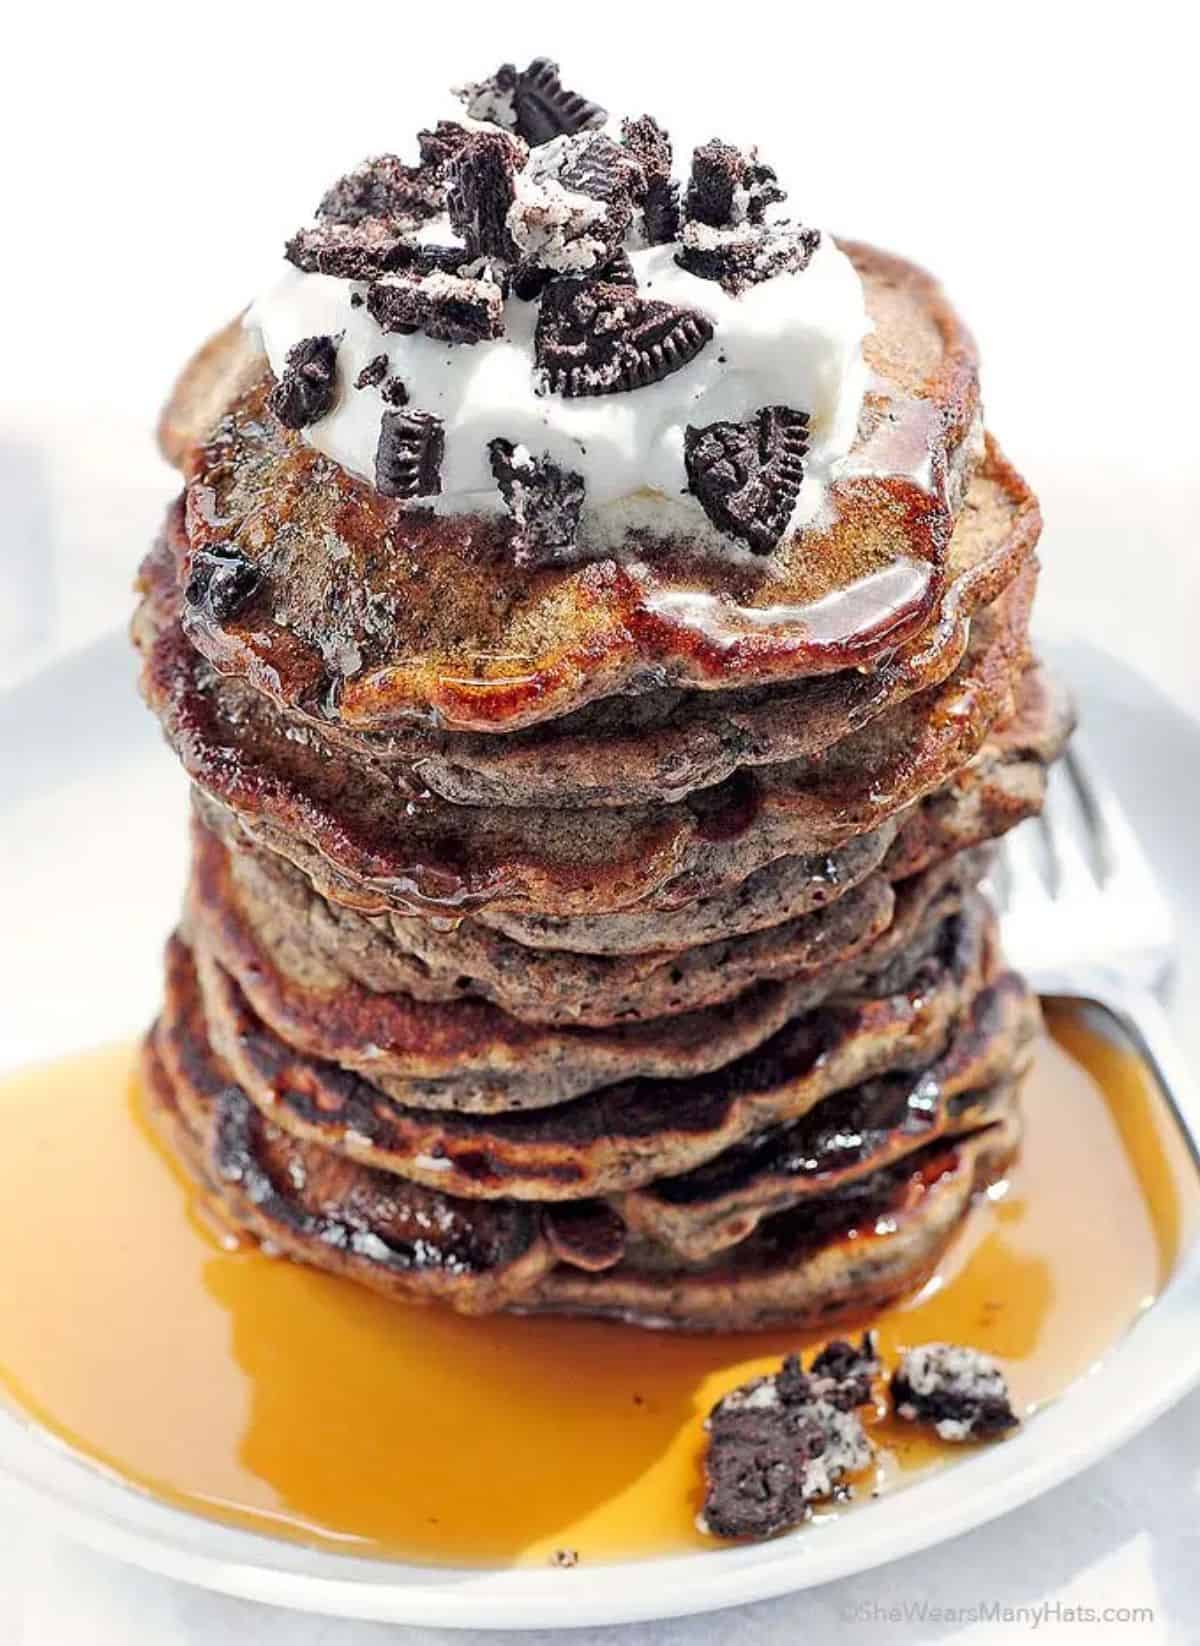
[243, 1387]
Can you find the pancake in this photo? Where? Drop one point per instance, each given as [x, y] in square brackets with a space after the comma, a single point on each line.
[810, 1269]
[849, 1135]
[661, 744]
[442, 623]
[396, 1237]
[415, 1244]
[471, 1055]
[326, 948]
[365, 844]
[619, 1136]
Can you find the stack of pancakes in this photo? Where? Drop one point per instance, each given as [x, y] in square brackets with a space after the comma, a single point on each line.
[601, 937]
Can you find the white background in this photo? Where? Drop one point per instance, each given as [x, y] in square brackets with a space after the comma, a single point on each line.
[1041, 158]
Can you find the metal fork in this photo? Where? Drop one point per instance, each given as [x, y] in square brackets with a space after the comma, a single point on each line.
[1083, 916]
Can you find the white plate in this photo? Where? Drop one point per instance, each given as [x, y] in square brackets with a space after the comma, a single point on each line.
[91, 820]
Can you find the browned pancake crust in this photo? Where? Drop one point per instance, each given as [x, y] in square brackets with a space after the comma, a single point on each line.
[468, 1054]
[663, 744]
[620, 1136]
[421, 1245]
[437, 620]
[365, 843]
[802, 1271]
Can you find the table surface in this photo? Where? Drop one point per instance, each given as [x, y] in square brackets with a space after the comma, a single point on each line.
[1104, 436]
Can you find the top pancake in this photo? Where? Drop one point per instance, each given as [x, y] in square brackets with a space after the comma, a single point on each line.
[373, 613]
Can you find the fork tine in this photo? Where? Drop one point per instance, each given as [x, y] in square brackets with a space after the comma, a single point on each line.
[1096, 825]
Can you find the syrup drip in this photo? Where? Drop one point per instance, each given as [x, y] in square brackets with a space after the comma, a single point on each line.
[247, 1388]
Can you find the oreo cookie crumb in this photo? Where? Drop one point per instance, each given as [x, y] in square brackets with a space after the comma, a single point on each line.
[480, 189]
[408, 459]
[843, 1373]
[221, 582]
[305, 392]
[597, 338]
[441, 306]
[394, 392]
[574, 203]
[776, 1446]
[373, 373]
[958, 1390]
[727, 187]
[349, 251]
[651, 148]
[743, 257]
[494, 99]
[747, 476]
[544, 500]
[544, 109]
[438, 147]
[386, 188]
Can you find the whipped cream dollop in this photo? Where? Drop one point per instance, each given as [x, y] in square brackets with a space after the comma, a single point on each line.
[793, 339]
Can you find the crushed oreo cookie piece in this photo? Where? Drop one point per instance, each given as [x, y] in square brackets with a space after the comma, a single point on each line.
[395, 392]
[373, 373]
[493, 100]
[544, 500]
[221, 582]
[305, 392]
[747, 476]
[528, 281]
[727, 188]
[596, 338]
[544, 109]
[480, 190]
[743, 257]
[776, 1446]
[438, 147]
[843, 1373]
[441, 306]
[651, 148]
[574, 203]
[958, 1390]
[408, 459]
[531, 101]
[350, 251]
[386, 188]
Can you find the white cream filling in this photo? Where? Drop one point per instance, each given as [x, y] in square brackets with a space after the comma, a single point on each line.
[793, 340]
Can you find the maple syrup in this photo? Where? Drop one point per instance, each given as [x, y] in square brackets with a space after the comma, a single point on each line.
[245, 1387]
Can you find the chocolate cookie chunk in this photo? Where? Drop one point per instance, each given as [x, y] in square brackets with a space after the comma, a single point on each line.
[441, 306]
[597, 338]
[386, 188]
[373, 373]
[747, 476]
[960, 1391]
[439, 146]
[350, 251]
[221, 582]
[776, 1446]
[305, 392]
[544, 500]
[574, 203]
[843, 1373]
[727, 187]
[651, 147]
[742, 257]
[480, 190]
[408, 459]
[545, 109]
